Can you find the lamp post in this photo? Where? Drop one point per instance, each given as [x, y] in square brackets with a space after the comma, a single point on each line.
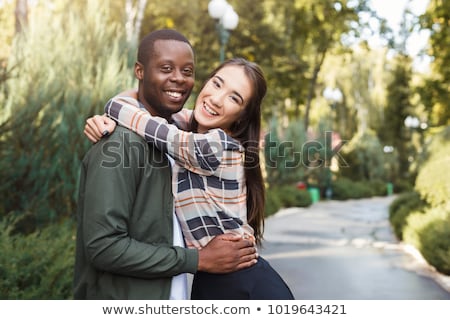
[412, 123]
[226, 20]
[388, 150]
[333, 96]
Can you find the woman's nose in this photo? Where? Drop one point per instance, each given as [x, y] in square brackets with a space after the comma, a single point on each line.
[217, 99]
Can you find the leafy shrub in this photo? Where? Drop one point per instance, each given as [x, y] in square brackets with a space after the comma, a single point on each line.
[378, 187]
[290, 196]
[433, 179]
[429, 232]
[286, 196]
[399, 210]
[344, 188]
[39, 265]
[403, 185]
[273, 202]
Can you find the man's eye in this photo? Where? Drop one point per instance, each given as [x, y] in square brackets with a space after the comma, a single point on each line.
[188, 72]
[166, 69]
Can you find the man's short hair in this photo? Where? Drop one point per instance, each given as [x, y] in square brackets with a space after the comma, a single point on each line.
[146, 46]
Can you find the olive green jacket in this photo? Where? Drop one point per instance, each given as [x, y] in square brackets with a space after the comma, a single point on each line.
[125, 232]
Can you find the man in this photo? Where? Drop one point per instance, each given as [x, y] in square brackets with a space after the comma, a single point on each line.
[127, 236]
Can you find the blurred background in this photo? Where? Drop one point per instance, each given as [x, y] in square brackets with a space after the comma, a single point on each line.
[357, 106]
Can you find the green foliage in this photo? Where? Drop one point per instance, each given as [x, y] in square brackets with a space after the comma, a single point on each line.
[401, 208]
[68, 63]
[433, 179]
[284, 154]
[273, 202]
[344, 188]
[290, 196]
[437, 85]
[403, 185]
[430, 233]
[39, 265]
[393, 131]
[422, 217]
[365, 158]
[286, 196]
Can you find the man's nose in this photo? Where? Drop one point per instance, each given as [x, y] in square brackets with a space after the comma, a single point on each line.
[177, 76]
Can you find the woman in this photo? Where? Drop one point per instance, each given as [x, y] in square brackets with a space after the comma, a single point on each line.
[217, 181]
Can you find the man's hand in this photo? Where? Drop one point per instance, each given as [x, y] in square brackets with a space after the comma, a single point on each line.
[98, 127]
[227, 253]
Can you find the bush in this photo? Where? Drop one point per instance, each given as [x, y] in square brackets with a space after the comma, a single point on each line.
[285, 197]
[429, 232]
[273, 203]
[39, 265]
[290, 196]
[403, 185]
[378, 187]
[344, 188]
[433, 179]
[399, 210]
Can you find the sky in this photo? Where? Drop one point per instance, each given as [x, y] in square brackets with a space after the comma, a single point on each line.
[392, 10]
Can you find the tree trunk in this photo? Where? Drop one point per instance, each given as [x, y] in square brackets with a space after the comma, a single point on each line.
[21, 15]
[312, 86]
[133, 23]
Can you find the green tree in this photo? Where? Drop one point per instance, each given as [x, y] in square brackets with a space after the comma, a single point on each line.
[436, 88]
[398, 107]
[68, 63]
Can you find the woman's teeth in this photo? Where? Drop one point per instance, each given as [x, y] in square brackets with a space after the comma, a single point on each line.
[210, 111]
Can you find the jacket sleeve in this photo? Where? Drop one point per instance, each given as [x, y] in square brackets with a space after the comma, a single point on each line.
[199, 153]
[112, 176]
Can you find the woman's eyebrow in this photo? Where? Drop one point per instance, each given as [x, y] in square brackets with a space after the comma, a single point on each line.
[219, 78]
[235, 92]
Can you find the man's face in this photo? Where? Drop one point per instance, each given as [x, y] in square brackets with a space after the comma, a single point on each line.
[166, 81]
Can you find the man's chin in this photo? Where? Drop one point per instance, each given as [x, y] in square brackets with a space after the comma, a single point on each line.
[168, 110]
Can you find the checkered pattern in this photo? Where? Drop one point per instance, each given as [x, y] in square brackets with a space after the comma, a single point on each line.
[208, 174]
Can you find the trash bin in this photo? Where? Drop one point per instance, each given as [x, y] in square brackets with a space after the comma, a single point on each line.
[389, 189]
[314, 193]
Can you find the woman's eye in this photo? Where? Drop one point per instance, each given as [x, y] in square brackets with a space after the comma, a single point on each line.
[216, 84]
[235, 99]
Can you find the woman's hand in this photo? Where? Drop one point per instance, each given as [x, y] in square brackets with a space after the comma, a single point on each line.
[98, 127]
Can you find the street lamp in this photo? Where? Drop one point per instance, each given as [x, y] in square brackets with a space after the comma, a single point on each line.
[226, 20]
[333, 96]
[388, 150]
[412, 123]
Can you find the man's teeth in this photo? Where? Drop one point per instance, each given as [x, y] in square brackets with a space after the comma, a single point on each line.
[174, 94]
[210, 111]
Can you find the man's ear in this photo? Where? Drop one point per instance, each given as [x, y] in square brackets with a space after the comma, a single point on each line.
[139, 70]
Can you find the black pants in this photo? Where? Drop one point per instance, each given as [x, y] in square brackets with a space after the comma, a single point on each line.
[259, 282]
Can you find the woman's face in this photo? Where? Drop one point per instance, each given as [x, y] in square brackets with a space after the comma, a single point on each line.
[222, 99]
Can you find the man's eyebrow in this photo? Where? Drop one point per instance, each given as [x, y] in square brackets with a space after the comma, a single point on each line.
[235, 92]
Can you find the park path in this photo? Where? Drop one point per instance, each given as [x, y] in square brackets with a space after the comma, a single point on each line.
[345, 250]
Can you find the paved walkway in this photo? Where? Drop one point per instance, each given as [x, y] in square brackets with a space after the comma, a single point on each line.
[346, 250]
